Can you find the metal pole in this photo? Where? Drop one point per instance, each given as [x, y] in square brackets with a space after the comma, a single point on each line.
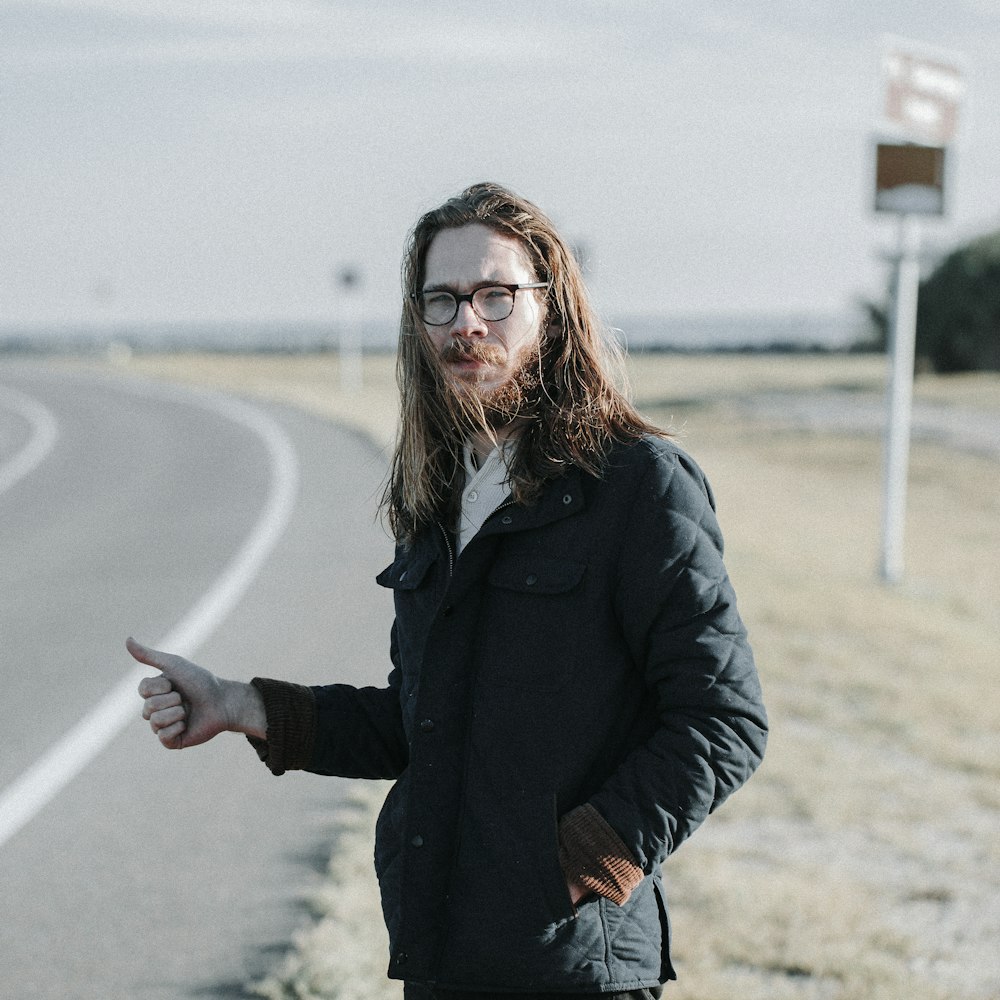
[900, 399]
[349, 351]
[351, 377]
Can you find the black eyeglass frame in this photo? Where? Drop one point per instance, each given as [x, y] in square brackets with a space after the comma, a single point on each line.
[468, 297]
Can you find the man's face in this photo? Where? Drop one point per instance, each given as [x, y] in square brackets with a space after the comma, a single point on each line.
[483, 356]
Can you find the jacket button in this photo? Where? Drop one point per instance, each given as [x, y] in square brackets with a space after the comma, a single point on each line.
[567, 499]
[446, 612]
[427, 726]
[417, 841]
[506, 519]
[531, 580]
[401, 957]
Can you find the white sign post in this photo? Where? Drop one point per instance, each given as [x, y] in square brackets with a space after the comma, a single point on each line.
[349, 353]
[922, 98]
[902, 342]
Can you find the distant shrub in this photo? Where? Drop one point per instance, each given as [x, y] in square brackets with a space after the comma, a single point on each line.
[958, 312]
[875, 327]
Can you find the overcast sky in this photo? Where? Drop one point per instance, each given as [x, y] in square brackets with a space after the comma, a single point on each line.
[223, 159]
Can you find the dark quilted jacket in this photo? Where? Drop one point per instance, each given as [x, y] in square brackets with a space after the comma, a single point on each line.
[587, 649]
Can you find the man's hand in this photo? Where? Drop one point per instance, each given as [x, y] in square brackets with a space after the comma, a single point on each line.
[187, 705]
[577, 892]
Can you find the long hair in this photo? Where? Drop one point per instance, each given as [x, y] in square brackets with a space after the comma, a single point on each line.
[576, 412]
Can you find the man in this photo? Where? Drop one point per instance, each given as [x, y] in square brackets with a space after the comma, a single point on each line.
[571, 689]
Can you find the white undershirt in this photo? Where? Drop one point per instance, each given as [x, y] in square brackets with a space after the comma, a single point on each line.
[486, 488]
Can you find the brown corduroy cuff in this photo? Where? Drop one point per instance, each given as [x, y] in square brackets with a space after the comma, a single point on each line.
[593, 855]
[291, 725]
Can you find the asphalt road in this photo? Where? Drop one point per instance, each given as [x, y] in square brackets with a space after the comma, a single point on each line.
[150, 873]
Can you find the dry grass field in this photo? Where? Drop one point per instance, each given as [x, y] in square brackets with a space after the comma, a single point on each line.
[863, 861]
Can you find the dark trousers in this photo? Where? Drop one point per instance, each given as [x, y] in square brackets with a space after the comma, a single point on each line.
[414, 991]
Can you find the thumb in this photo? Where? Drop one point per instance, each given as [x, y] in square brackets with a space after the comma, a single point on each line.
[151, 657]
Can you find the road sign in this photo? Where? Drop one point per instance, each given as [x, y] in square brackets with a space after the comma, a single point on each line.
[909, 179]
[923, 94]
[923, 91]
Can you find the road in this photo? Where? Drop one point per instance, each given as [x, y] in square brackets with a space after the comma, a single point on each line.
[965, 428]
[247, 534]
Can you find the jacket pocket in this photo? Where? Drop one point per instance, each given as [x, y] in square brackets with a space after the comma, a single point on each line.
[387, 828]
[553, 876]
[666, 966]
[388, 856]
[531, 626]
[537, 575]
[406, 572]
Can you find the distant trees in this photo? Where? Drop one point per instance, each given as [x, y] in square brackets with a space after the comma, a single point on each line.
[958, 312]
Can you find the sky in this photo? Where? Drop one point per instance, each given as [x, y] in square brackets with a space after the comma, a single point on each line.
[227, 160]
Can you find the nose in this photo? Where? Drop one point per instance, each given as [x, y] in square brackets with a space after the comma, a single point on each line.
[467, 322]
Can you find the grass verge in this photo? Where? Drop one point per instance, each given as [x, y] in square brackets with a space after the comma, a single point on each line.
[862, 861]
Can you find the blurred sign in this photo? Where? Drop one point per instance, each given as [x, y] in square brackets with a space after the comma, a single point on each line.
[909, 179]
[923, 94]
[348, 278]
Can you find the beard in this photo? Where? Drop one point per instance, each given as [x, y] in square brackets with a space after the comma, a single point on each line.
[517, 397]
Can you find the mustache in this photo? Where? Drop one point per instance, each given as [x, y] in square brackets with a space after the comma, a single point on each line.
[463, 350]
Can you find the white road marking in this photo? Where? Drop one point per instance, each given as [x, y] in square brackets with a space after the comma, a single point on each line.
[44, 434]
[41, 782]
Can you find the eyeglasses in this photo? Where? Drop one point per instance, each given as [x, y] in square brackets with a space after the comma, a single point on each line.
[490, 303]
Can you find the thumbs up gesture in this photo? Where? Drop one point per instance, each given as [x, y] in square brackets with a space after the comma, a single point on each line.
[187, 705]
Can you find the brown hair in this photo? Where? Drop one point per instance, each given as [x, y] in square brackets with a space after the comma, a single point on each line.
[576, 415]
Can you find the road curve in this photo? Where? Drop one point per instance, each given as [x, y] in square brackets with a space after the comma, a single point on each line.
[155, 874]
[42, 432]
[32, 790]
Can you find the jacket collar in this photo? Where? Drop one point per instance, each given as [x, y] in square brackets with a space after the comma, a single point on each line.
[560, 498]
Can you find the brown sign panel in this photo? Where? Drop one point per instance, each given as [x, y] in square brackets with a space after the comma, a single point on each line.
[909, 179]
